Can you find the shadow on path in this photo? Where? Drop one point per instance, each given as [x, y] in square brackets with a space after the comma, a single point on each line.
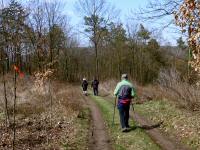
[145, 127]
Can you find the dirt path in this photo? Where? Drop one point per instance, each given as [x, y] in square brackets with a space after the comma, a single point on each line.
[99, 139]
[159, 138]
[154, 132]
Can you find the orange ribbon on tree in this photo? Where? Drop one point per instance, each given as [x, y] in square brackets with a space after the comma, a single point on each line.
[21, 74]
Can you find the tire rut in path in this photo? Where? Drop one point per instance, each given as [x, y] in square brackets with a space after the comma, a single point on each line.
[163, 141]
[99, 139]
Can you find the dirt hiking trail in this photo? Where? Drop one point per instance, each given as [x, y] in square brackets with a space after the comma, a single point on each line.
[159, 138]
[99, 139]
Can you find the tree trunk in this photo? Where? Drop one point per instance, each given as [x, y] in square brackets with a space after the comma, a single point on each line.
[96, 60]
[5, 98]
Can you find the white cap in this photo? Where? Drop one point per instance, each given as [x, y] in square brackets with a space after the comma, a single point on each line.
[84, 79]
[124, 76]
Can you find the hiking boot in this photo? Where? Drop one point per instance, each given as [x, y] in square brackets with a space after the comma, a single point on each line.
[128, 128]
[124, 130]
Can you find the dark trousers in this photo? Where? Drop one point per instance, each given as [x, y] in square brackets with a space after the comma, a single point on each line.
[95, 90]
[124, 115]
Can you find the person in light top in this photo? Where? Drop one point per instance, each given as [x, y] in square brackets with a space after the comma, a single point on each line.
[124, 92]
[84, 86]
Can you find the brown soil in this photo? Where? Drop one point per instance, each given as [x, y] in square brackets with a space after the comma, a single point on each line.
[99, 139]
[158, 137]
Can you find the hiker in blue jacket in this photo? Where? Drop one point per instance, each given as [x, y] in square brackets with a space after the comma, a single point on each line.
[124, 91]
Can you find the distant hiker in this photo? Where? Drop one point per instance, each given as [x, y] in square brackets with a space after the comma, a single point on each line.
[95, 85]
[84, 86]
[124, 92]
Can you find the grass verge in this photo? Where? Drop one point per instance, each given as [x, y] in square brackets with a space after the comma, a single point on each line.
[81, 124]
[177, 123]
[136, 139]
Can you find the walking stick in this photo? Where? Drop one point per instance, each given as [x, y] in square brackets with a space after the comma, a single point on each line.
[132, 107]
[114, 112]
[133, 111]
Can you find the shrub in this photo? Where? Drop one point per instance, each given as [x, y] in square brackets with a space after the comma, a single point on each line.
[183, 93]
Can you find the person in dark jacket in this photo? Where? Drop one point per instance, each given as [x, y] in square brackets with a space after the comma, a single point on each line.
[84, 86]
[95, 85]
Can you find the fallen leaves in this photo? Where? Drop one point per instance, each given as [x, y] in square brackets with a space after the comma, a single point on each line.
[34, 130]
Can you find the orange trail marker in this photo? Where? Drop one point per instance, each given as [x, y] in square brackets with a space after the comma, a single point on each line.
[21, 74]
[16, 68]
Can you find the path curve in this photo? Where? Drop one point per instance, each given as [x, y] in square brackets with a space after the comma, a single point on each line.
[99, 139]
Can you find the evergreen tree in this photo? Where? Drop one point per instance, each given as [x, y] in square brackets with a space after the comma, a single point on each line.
[143, 34]
[12, 28]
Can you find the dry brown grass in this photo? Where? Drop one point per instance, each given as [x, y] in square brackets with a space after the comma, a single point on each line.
[34, 129]
[146, 93]
[173, 88]
[108, 86]
[168, 86]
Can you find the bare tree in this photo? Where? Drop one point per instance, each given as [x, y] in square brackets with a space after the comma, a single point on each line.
[54, 19]
[3, 59]
[97, 14]
[5, 95]
[159, 8]
[36, 30]
[159, 12]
